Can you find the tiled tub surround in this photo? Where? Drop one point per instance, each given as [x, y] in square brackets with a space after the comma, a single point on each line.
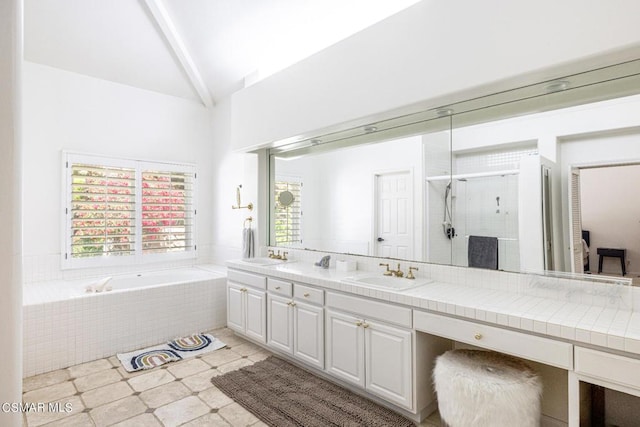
[586, 328]
[65, 326]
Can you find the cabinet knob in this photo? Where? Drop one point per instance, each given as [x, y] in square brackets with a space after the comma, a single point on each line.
[478, 336]
[358, 323]
[293, 304]
[243, 290]
[365, 325]
[306, 295]
[277, 288]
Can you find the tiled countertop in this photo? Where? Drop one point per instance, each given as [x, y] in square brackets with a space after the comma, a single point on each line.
[577, 320]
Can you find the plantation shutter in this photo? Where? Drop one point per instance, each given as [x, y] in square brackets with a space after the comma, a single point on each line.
[167, 211]
[288, 219]
[576, 222]
[102, 211]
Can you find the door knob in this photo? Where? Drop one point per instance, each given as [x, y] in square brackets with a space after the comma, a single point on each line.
[380, 239]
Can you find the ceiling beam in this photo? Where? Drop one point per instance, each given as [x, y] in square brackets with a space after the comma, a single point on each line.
[168, 29]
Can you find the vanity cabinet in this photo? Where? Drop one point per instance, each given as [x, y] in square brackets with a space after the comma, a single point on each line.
[246, 304]
[295, 321]
[372, 355]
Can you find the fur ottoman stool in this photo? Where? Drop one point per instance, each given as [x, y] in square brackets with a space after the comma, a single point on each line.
[484, 388]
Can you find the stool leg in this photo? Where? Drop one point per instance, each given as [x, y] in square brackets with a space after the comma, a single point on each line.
[600, 264]
[624, 267]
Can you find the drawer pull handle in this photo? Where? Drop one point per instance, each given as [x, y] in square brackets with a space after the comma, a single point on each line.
[306, 295]
[277, 288]
[358, 323]
[478, 336]
[365, 325]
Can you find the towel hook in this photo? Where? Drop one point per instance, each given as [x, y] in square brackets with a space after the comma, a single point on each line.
[249, 219]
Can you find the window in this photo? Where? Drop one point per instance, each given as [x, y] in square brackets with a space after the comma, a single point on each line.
[288, 211]
[167, 218]
[125, 212]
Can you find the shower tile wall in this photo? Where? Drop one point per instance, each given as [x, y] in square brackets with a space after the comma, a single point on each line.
[488, 206]
[478, 211]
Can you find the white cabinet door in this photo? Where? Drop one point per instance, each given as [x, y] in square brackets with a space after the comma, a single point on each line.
[309, 334]
[345, 347]
[388, 363]
[280, 323]
[256, 304]
[235, 307]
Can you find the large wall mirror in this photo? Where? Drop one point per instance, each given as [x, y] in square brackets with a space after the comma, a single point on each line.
[536, 178]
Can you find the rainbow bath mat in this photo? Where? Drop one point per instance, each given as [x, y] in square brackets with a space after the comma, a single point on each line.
[178, 349]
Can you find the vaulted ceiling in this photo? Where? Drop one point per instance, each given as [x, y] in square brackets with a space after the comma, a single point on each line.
[196, 49]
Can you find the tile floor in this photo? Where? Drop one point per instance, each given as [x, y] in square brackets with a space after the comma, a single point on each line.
[102, 393]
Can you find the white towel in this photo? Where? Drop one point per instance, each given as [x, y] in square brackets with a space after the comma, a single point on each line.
[247, 243]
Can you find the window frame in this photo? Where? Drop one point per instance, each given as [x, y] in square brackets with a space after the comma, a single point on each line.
[138, 257]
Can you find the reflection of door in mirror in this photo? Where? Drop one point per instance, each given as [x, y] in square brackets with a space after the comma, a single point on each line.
[547, 219]
[394, 215]
[577, 265]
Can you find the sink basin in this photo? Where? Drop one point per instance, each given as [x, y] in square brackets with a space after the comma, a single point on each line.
[387, 282]
[262, 261]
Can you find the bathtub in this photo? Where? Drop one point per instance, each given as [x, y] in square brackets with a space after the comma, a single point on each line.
[64, 325]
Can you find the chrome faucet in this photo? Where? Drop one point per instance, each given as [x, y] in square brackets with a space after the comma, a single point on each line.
[100, 285]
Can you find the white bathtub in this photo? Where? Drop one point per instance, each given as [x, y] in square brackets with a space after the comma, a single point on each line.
[64, 325]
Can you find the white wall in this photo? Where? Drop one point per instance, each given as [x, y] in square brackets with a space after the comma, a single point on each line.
[229, 170]
[432, 54]
[10, 209]
[64, 110]
[338, 193]
[611, 213]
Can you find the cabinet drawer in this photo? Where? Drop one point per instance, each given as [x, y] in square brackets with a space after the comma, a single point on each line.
[245, 278]
[531, 347]
[308, 294]
[608, 367]
[280, 287]
[370, 309]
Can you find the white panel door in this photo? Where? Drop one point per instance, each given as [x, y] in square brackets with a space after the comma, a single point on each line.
[345, 347]
[280, 323]
[394, 215]
[388, 363]
[235, 307]
[308, 325]
[256, 305]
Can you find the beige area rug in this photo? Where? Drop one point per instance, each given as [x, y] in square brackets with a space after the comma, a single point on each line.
[282, 395]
